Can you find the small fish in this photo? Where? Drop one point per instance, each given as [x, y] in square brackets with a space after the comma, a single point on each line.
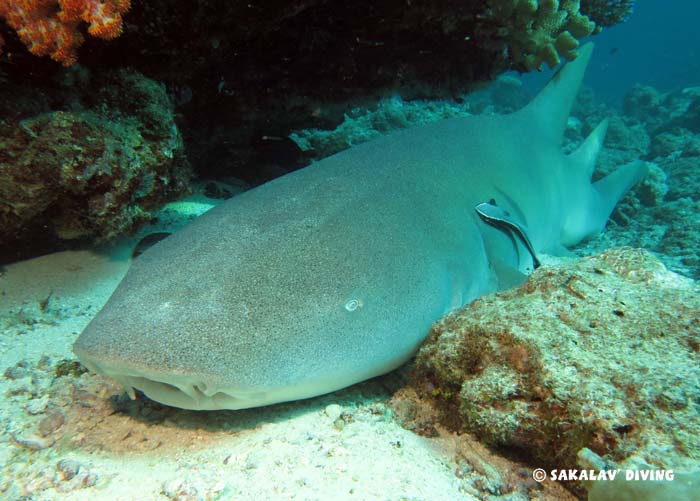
[500, 218]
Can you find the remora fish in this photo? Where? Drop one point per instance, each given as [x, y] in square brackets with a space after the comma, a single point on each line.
[334, 273]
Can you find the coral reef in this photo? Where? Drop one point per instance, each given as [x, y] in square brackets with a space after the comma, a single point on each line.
[642, 102]
[94, 170]
[681, 238]
[51, 27]
[363, 123]
[661, 214]
[256, 72]
[597, 357]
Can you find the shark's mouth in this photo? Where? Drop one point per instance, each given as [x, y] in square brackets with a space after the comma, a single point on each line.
[179, 391]
[190, 392]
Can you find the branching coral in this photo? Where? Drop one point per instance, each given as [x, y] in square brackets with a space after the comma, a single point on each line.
[541, 31]
[52, 27]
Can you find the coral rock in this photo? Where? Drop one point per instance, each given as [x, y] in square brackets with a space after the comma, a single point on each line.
[91, 174]
[600, 354]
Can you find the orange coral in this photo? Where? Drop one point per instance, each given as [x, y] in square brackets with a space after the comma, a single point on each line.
[51, 27]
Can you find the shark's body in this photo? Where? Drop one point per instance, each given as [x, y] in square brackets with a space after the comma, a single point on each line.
[333, 274]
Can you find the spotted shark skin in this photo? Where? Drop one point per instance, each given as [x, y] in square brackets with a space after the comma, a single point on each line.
[334, 273]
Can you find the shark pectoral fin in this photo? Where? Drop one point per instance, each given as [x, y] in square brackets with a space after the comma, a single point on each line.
[508, 276]
[613, 186]
[558, 250]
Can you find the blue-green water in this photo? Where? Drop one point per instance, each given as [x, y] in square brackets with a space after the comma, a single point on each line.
[659, 45]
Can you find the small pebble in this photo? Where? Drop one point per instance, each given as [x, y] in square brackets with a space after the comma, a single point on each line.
[68, 468]
[37, 406]
[90, 480]
[18, 371]
[333, 411]
[377, 409]
[179, 490]
[218, 488]
[253, 460]
[51, 423]
[45, 363]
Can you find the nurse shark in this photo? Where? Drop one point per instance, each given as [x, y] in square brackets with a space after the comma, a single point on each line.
[334, 273]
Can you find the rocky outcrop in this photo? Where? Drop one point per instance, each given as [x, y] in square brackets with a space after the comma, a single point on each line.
[94, 171]
[589, 364]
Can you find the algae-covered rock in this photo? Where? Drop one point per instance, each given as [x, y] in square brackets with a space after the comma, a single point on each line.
[643, 102]
[683, 173]
[681, 240]
[676, 141]
[599, 354]
[94, 169]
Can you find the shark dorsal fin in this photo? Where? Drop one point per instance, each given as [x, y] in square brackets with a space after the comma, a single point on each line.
[550, 110]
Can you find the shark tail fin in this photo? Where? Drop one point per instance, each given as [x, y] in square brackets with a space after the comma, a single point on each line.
[550, 109]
